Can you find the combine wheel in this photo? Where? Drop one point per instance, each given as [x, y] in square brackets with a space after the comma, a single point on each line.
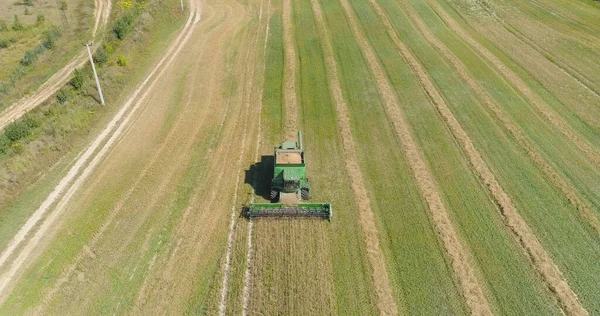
[305, 193]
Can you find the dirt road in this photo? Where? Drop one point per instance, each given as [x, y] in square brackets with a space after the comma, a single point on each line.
[82, 168]
[53, 84]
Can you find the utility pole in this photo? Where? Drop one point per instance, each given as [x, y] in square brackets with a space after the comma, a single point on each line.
[95, 74]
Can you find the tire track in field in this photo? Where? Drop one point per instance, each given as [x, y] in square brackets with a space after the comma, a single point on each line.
[289, 74]
[79, 172]
[234, 208]
[539, 105]
[246, 294]
[247, 274]
[247, 99]
[463, 267]
[559, 181]
[101, 13]
[541, 259]
[386, 302]
[97, 13]
[106, 13]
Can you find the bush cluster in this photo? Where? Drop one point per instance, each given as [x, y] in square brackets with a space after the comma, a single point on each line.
[15, 132]
[78, 79]
[125, 24]
[122, 61]
[50, 37]
[49, 43]
[31, 55]
[63, 95]
[101, 56]
[20, 129]
[17, 25]
[40, 20]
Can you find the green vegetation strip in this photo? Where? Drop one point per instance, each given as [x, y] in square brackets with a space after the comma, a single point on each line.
[471, 208]
[553, 147]
[333, 181]
[400, 211]
[554, 107]
[552, 219]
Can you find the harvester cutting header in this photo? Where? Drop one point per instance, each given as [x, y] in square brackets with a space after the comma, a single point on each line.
[289, 187]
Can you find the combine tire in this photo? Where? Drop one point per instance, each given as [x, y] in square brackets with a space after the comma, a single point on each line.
[305, 194]
[274, 195]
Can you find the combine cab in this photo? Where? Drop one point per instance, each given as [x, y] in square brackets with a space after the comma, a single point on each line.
[289, 187]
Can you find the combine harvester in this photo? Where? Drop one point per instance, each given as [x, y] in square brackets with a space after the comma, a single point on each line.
[289, 187]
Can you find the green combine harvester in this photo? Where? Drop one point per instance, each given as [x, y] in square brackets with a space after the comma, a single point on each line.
[289, 187]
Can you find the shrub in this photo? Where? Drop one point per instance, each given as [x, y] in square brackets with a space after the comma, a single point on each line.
[49, 42]
[78, 79]
[109, 49]
[124, 25]
[101, 56]
[28, 3]
[63, 95]
[29, 58]
[50, 38]
[3, 43]
[63, 5]
[17, 26]
[3, 26]
[27, 11]
[31, 122]
[4, 144]
[122, 61]
[16, 131]
[40, 20]
[125, 4]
